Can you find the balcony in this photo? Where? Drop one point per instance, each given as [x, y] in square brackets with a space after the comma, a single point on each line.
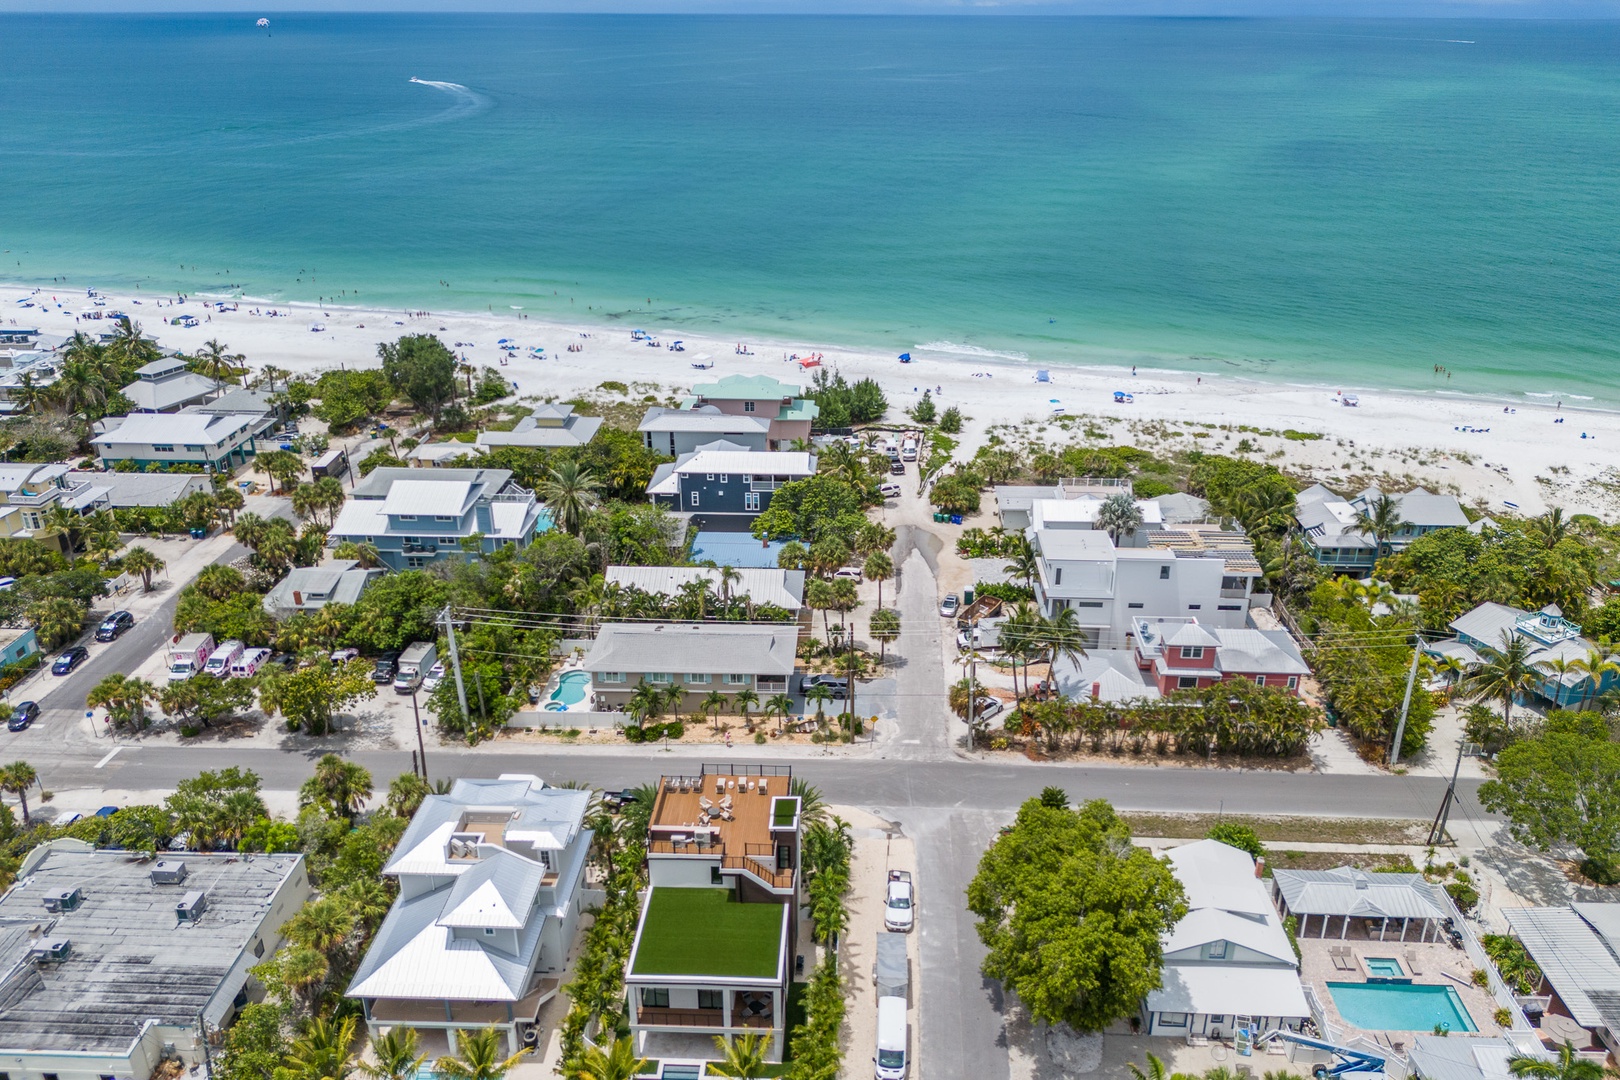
[49, 495]
[699, 1018]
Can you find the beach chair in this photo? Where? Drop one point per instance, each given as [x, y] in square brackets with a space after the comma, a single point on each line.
[705, 802]
[1413, 965]
[720, 785]
[762, 784]
[725, 803]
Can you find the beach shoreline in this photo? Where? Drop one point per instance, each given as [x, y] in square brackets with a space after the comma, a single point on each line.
[1502, 456]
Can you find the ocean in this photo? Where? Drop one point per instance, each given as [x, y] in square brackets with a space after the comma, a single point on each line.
[1311, 201]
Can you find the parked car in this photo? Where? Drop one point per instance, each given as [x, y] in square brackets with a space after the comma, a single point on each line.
[853, 573]
[618, 800]
[387, 667]
[889, 491]
[897, 468]
[343, 656]
[23, 714]
[435, 676]
[836, 683]
[948, 606]
[283, 660]
[107, 811]
[986, 707]
[114, 625]
[69, 660]
[899, 907]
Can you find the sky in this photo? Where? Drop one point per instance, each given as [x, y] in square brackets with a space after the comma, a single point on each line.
[1535, 9]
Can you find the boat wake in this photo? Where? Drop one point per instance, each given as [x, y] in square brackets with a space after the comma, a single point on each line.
[466, 102]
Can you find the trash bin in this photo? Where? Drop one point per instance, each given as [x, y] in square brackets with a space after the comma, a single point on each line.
[956, 519]
[940, 518]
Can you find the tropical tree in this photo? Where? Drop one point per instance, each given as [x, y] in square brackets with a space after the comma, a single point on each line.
[884, 626]
[1023, 563]
[714, 703]
[325, 1051]
[124, 697]
[213, 362]
[16, 779]
[743, 1056]
[283, 467]
[878, 567]
[745, 699]
[339, 786]
[231, 501]
[780, 706]
[1062, 636]
[820, 695]
[1505, 674]
[1156, 1069]
[1381, 519]
[480, 1057]
[1597, 665]
[141, 561]
[1549, 528]
[617, 1062]
[1569, 1065]
[396, 1056]
[1119, 516]
[571, 493]
[55, 619]
[812, 807]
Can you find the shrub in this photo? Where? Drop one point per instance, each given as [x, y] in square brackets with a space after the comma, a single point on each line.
[674, 729]
[1479, 978]
[1001, 590]
[635, 734]
[1503, 1017]
[759, 738]
[1239, 836]
[950, 421]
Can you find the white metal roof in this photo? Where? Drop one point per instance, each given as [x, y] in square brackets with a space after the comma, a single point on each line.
[1269, 652]
[783, 588]
[413, 957]
[1345, 890]
[702, 419]
[1229, 989]
[701, 648]
[1217, 875]
[176, 429]
[498, 892]
[1074, 544]
[429, 497]
[749, 463]
[1571, 954]
[1047, 513]
[1488, 622]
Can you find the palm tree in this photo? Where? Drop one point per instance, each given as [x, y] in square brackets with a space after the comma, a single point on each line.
[143, 562]
[124, 697]
[1596, 667]
[396, 1056]
[884, 626]
[1061, 634]
[571, 493]
[618, 1062]
[744, 1056]
[480, 1057]
[820, 695]
[342, 786]
[714, 703]
[1023, 562]
[282, 467]
[730, 577]
[1569, 1066]
[1505, 675]
[878, 567]
[322, 1052]
[779, 705]
[812, 807]
[1119, 516]
[1549, 528]
[16, 779]
[746, 699]
[1155, 1070]
[1558, 669]
[1381, 519]
[213, 362]
[230, 500]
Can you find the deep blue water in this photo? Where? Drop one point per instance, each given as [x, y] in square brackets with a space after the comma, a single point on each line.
[1310, 200]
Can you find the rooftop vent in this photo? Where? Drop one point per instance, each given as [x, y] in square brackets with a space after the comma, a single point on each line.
[169, 872]
[59, 900]
[50, 951]
[191, 906]
[464, 845]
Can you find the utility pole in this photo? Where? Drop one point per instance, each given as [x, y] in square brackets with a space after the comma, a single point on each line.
[455, 662]
[419, 743]
[1437, 831]
[1406, 703]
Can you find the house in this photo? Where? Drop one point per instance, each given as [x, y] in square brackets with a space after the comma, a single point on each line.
[1228, 962]
[413, 517]
[1180, 654]
[239, 399]
[725, 480]
[1179, 508]
[1399, 904]
[217, 442]
[488, 909]
[1080, 512]
[16, 644]
[1555, 643]
[790, 415]
[28, 492]
[699, 657]
[438, 455]
[1328, 524]
[760, 586]
[166, 386]
[712, 951]
[1455, 1056]
[1109, 675]
[1577, 948]
[126, 489]
[1015, 503]
[549, 427]
[1107, 586]
[682, 431]
[310, 588]
[113, 963]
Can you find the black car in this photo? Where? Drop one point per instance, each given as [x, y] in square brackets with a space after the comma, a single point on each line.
[69, 660]
[24, 714]
[897, 468]
[114, 625]
[387, 667]
[618, 800]
[284, 659]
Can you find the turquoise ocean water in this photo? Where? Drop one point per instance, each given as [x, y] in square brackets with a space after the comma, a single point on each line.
[1313, 201]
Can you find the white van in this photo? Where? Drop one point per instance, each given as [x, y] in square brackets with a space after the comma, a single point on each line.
[248, 663]
[221, 659]
[891, 1038]
[908, 449]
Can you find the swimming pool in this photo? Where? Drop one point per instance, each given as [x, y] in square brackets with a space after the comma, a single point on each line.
[571, 690]
[1383, 967]
[1385, 1006]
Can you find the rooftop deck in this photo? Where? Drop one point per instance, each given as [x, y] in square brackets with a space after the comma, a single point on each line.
[680, 808]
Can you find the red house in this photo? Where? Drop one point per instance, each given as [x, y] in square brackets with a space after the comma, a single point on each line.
[1178, 654]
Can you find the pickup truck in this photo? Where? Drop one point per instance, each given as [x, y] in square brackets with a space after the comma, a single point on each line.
[900, 904]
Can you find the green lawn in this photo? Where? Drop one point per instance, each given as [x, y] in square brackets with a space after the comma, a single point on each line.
[705, 932]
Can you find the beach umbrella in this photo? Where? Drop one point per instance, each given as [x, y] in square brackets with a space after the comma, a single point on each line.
[905, 357]
[503, 341]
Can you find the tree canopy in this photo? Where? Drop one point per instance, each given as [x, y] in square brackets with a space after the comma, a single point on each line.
[1072, 914]
[421, 369]
[1562, 786]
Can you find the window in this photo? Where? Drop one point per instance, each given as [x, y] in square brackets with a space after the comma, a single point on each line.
[1259, 680]
[258, 948]
[711, 999]
[489, 931]
[1187, 682]
[738, 680]
[1133, 605]
[1293, 682]
[1229, 607]
[1217, 950]
[156, 449]
[748, 406]
[1192, 652]
[714, 876]
[694, 498]
[193, 449]
[407, 517]
[416, 562]
[654, 998]
[1087, 603]
[724, 477]
[1164, 573]
[711, 476]
[611, 676]
[443, 517]
[1194, 607]
[658, 678]
[1172, 1019]
[697, 679]
[751, 500]
[49, 1076]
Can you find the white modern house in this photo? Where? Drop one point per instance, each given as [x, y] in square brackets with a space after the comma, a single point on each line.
[1228, 963]
[489, 881]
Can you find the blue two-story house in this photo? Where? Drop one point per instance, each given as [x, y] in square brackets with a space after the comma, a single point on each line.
[415, 516]
[725, 480]
[1564, 658]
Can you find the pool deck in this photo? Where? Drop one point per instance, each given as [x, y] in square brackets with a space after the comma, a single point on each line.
[1434, 961]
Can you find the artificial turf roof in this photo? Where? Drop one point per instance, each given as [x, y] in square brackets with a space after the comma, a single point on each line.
[706, 932]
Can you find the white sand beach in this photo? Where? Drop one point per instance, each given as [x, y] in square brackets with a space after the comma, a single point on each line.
[1495, 459]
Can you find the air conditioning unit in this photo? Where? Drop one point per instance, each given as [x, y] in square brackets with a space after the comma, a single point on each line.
[191, 906]
[169, 872]
[51, 951]
[59, 900]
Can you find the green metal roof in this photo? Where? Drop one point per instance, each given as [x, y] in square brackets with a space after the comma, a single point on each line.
[743, 387]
